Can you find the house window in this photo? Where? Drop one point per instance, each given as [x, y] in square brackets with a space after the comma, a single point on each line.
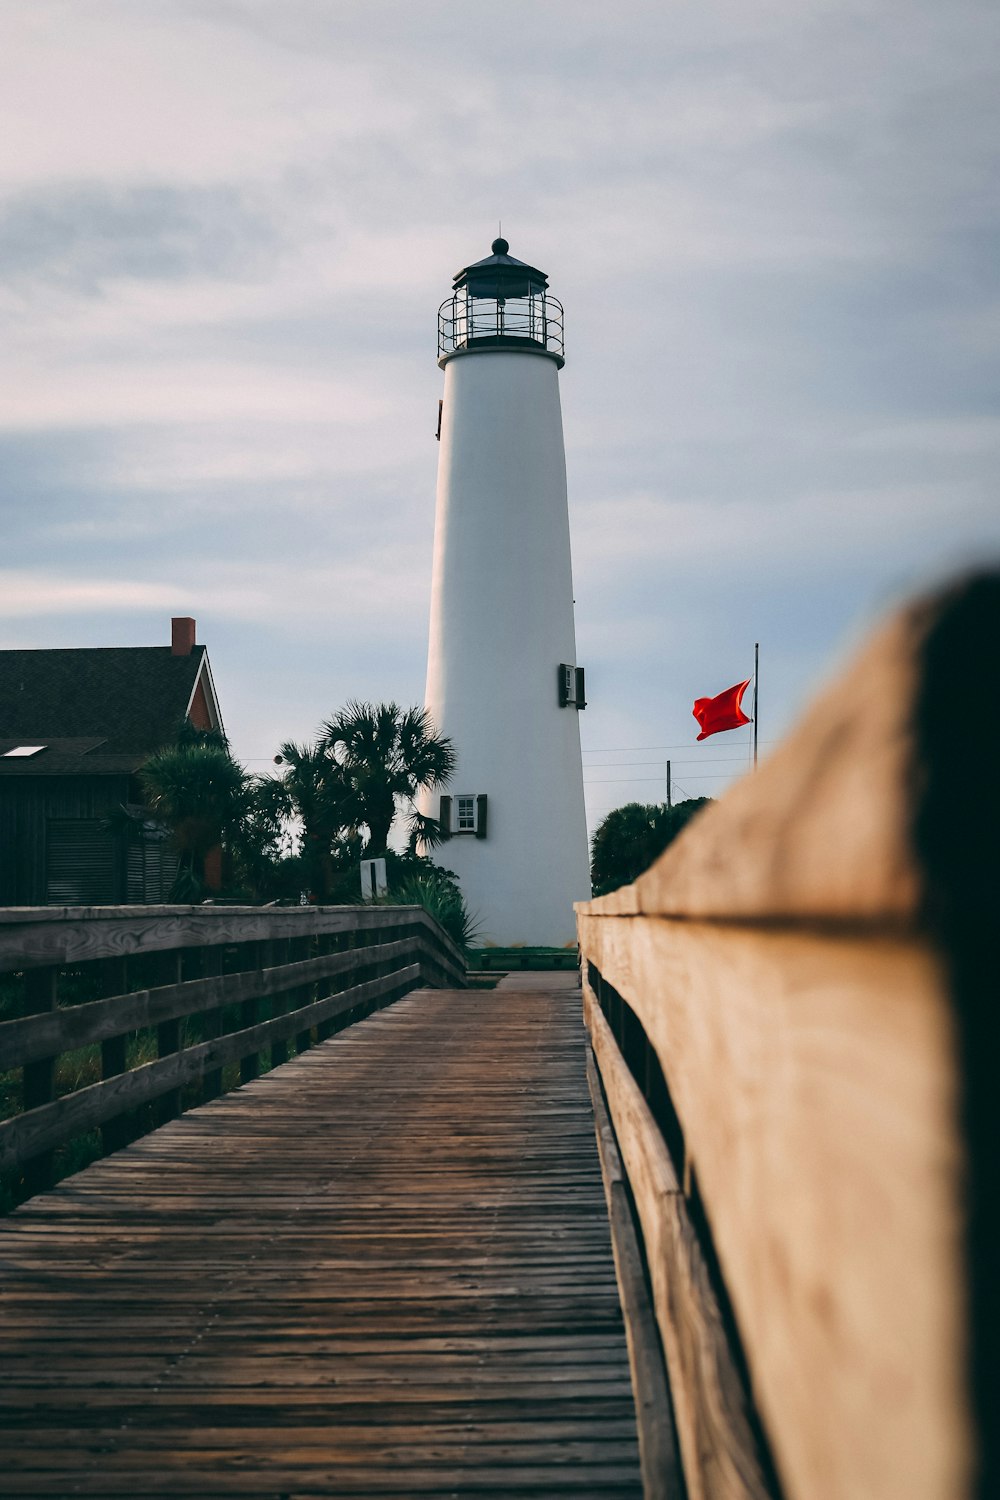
[572, 690]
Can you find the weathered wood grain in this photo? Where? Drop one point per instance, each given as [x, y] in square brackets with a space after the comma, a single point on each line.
[816, 1080]
[721, 1459]
[24, 1039]
[414, 949]
[661, 1471]
[384, 1269]
[59, 935]
[39, 1129]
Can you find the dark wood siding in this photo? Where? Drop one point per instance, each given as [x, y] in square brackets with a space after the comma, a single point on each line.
[26, 806]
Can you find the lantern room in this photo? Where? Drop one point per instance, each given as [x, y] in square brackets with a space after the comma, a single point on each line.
[500, 302]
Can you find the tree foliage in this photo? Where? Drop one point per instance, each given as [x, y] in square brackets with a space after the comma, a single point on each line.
[314, 792]
[199, 793]
[631, 837]
[306, 830]
[414, 880]
[386, 756]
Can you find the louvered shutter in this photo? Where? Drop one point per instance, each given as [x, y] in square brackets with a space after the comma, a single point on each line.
[481, 816]
[581, 691]
[79, 863]
[444, 817]
[564, 677]
[136, 873]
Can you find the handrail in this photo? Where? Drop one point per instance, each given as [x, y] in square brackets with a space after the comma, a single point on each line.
[236, 979]
[466, 322]
[794, 1017]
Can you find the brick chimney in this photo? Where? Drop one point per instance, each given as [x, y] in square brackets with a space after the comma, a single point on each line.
[182, 633]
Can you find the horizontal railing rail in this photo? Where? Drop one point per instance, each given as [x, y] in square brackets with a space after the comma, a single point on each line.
[794, 1018]
[202, 988]
[465, 321]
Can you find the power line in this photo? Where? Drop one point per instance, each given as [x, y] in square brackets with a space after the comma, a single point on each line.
[642, 780]
[628, 749]
[709, 760]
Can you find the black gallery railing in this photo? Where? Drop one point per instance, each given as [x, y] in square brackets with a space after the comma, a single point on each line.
[465, 321]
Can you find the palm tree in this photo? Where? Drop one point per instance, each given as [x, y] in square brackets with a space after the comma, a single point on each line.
[387, 755]
[200, 793]
[258, 841]
[316, 790]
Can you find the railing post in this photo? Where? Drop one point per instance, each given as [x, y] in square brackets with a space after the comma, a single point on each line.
[38, 1078]
[250, 1064]
[279, 951]
[325, 945]
[115, 1133]
[212, 962]
[302, 996]
[168, 1034]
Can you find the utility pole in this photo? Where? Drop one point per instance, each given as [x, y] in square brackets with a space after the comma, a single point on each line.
[756, 697]
[669, 800]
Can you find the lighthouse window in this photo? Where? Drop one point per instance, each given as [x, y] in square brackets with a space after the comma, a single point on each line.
[572, 691]
[465, 814]
[465, 811]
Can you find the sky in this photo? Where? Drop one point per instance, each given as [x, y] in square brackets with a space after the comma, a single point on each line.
[226, 227]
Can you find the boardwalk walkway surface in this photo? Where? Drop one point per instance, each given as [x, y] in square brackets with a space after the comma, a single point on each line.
[383, 1269]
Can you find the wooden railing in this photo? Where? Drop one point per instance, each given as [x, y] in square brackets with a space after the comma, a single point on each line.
[796, 1015]
[181, 1001]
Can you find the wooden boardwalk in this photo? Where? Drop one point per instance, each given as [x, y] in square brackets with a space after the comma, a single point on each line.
[384, 1269]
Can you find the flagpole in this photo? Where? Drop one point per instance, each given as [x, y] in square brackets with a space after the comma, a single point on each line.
[756, 674]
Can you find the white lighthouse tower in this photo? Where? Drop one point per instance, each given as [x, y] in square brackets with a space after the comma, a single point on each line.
[503, 681]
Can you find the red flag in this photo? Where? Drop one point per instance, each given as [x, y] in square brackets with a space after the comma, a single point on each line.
[723, 712]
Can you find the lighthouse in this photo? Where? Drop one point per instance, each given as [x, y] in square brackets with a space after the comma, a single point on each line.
[503, 681]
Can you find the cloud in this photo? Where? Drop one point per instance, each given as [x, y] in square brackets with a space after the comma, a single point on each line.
[122, 393]
[225, 228]
[26, 594]
[81, 236]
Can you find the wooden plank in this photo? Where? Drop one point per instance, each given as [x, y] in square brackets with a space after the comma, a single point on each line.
[661, 1471]
[383, 1270]
[37, 1130]
[815, 1080]
[721, 1456]
[31, 936]
[22, 1040]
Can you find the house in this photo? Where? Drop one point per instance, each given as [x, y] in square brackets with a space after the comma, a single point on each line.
[75, 726]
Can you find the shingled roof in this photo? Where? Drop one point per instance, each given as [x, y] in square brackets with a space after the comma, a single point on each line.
[96, 710]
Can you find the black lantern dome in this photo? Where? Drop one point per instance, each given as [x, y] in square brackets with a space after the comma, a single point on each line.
[500, 275]
[500, 302]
